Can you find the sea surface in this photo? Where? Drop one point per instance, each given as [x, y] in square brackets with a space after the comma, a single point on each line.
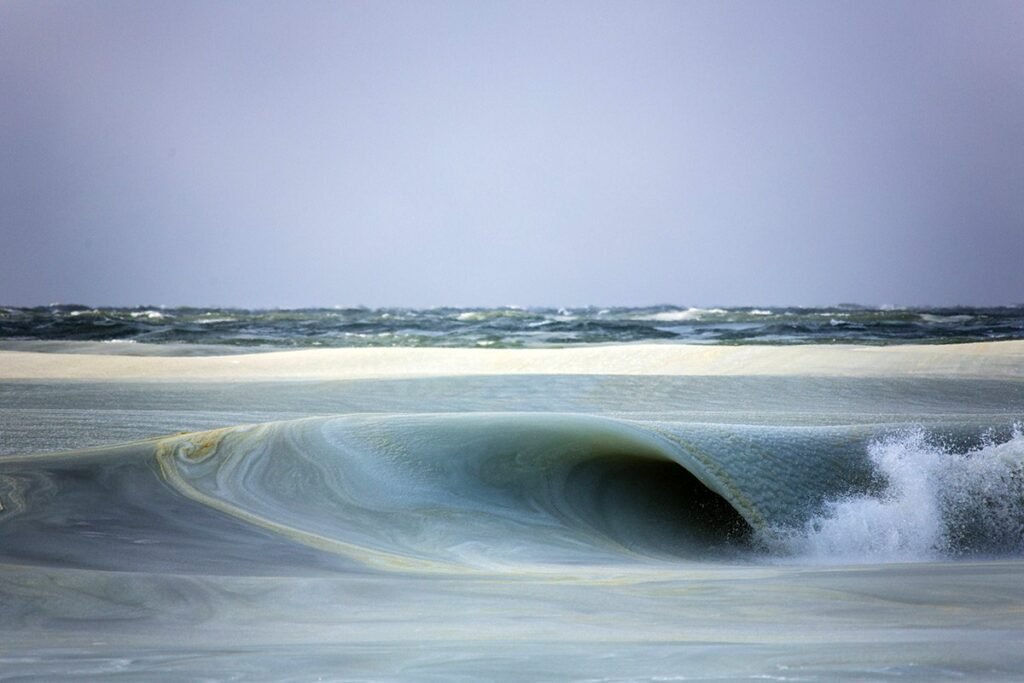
[510, 327]
[835, 525]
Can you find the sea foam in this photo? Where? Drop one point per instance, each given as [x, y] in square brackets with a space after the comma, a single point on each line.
[933, 502]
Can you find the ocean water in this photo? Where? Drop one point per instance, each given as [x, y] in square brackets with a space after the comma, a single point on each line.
[577, 526]
[509, 327]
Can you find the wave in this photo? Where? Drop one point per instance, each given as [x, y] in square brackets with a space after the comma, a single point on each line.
[520, 492]
[685, 315]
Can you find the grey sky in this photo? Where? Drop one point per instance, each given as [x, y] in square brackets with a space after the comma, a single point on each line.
[485, 153]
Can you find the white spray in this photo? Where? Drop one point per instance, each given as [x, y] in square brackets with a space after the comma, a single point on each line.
[936, 503]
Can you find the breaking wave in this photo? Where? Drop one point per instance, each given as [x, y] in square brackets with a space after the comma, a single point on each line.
[521, 492]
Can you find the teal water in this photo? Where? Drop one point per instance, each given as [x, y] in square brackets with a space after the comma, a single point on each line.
[508, 327]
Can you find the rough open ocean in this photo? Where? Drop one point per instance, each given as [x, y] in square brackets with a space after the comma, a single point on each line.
[511, 326]
[585, 494]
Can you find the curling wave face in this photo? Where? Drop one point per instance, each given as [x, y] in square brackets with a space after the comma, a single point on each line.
[518, 492]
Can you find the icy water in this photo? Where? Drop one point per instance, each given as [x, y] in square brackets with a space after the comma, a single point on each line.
[585, 525]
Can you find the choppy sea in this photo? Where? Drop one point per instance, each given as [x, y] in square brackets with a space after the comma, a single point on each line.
[511, 327]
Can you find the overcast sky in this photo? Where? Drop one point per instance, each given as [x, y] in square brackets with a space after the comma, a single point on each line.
[534, 153]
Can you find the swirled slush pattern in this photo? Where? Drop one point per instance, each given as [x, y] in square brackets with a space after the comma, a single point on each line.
[516, 491]
[481, 490]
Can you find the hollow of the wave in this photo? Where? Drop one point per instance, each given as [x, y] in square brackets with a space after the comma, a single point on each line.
[654, 507]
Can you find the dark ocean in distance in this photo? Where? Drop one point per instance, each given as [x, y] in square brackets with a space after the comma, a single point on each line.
[509, 327]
